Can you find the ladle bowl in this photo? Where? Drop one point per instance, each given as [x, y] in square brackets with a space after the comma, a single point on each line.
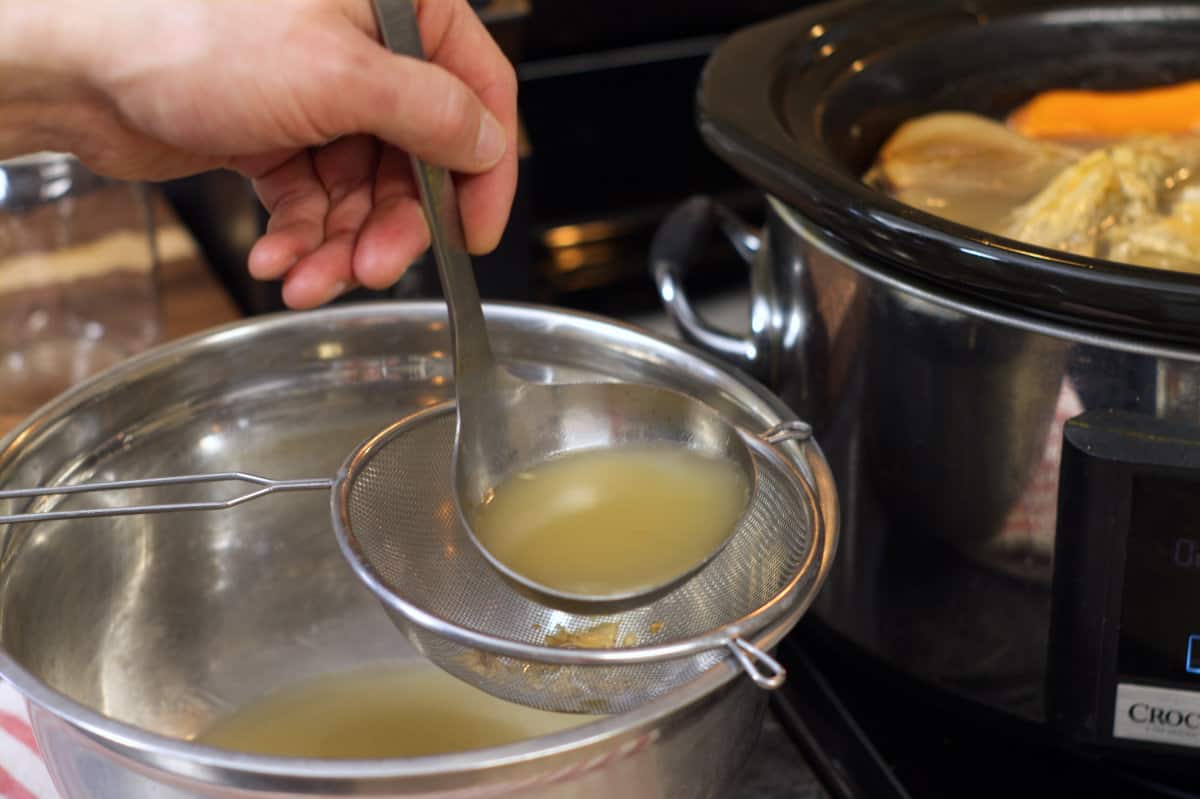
[571, 417]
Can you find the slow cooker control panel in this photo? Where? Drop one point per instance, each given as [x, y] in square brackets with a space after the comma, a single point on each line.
[1159, 637]
[1125, 624]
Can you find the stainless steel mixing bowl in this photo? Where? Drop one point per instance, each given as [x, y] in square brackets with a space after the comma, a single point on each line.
[131, 634]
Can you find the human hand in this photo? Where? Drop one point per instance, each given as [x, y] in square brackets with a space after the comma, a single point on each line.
[297, 95]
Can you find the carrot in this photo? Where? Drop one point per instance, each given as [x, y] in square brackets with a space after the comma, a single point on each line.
[1077, 114]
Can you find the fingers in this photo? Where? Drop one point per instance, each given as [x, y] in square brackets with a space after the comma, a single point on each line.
[439, 123]
[420, 107]
[346, 171]
[485, 202]
[297, 203]
[320, 201]
[458, 108]
[456, 39]
[349, 212]
[395, 233]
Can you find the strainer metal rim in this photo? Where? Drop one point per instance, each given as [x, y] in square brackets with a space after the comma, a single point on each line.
[724, 636]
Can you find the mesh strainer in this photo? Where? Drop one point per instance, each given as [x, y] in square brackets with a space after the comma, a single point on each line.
[395, 519]
[398, 526]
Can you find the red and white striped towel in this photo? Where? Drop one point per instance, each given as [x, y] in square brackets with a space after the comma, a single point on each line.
[22, 774]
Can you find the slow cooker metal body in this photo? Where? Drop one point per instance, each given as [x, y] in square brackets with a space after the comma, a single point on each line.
[943, 421]
[941, 365]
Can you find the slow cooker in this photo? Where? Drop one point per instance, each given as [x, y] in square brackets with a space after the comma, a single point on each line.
[1015, 431]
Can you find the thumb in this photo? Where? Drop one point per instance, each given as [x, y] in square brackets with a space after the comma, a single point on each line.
[420, 107]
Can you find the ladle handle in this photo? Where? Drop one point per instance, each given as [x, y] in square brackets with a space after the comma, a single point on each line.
[266, 486]
[400, 33]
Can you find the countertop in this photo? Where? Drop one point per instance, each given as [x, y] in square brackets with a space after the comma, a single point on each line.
[192, 298]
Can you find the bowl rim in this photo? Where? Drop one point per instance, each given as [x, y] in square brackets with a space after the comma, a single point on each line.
[188, 760]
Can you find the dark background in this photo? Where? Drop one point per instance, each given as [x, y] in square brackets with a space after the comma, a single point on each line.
[607, 98]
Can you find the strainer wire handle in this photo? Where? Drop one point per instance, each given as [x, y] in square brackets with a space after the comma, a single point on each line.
[266, 486]
[750, 658]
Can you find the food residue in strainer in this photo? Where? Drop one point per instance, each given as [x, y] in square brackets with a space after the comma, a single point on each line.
[602, 636]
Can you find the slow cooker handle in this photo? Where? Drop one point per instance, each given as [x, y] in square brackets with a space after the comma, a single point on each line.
[672, 253]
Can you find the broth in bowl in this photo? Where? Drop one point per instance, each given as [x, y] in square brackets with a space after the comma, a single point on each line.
[407, 711]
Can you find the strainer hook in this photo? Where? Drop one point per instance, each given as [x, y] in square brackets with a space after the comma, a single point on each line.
[792, 430]
[751, 657]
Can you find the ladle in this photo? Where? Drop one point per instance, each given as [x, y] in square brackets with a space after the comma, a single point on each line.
[504, 425]
[507, 425]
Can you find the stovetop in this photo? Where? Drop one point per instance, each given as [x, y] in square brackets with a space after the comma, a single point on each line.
[775, 769]
[907, 744]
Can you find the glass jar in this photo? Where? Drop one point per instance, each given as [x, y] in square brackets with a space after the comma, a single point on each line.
[78, 276]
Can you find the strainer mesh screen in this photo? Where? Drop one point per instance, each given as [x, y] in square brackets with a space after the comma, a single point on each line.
[400, 511]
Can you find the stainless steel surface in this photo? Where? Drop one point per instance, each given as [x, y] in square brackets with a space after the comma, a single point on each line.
[394, 519]
[953, 413]
[506, 425]
[942, 419]
[133, 634]
[958, 400]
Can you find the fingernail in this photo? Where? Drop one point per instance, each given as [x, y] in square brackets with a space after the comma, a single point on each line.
[301, 292]
[490, 145]
[262, 266]
[334, 291]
